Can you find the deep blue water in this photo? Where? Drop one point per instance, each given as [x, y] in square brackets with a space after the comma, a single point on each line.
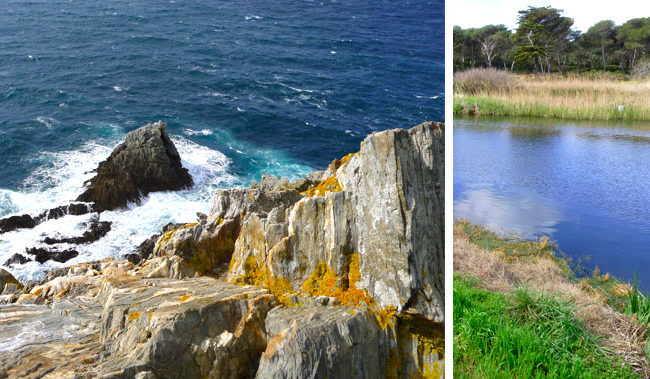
[245, 87]
[586, 185]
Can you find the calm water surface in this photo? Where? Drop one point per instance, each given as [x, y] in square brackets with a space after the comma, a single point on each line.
[586, 185]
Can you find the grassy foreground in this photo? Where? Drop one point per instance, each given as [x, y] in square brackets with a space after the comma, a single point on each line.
[520, 312]
[492, 93]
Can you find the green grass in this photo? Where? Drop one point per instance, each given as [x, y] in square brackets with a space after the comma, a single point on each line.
[500, 108]
[524, 334]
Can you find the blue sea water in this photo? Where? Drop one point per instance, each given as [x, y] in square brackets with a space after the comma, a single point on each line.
[245, 87]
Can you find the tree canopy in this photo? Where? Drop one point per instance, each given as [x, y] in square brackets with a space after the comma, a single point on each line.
[545, 42]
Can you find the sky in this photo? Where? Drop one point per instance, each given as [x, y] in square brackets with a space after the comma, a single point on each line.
[585, 13]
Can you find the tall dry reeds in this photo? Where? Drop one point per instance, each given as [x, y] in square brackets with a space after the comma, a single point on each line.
[586, 96]
[482, 80]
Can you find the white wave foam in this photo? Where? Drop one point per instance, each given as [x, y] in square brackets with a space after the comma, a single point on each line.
[202, 132]
[47, 121]
[61, 180]
[252, 17]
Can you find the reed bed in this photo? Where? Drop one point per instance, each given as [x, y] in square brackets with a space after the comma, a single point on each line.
[588, 97]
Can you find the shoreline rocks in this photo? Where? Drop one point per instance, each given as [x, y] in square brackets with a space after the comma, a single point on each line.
[340, 274]
[147, 161]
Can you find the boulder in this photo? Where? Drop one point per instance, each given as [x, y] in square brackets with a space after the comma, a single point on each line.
[147, 161]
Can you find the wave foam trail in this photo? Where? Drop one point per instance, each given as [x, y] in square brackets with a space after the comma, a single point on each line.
[61, 180]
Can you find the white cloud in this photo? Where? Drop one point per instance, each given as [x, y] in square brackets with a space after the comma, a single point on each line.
[585, 13]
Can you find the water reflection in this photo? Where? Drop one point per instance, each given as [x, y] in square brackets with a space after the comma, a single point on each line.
[584, 184]
[527, 215]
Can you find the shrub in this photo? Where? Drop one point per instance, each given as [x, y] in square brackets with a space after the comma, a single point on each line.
[482, 80]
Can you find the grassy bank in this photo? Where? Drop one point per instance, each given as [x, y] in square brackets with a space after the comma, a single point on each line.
[491, 93]
[519, 312]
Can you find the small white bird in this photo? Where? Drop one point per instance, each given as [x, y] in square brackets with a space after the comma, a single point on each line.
[621, 108]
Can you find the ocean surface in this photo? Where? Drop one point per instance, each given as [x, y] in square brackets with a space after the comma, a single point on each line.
[584, 184]
[245, 87]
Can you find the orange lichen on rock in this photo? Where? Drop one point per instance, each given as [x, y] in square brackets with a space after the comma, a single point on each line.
[330, 184]
[132, 316]
[324, 282]
[262, 277]
[185, 297]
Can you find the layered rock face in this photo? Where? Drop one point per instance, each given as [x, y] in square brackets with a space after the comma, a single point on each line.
[147, 161]
[338, 274]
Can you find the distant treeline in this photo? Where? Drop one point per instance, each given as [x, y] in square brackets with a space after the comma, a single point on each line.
[546, 42]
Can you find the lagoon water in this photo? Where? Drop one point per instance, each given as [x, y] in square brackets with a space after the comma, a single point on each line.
[586, 185]
[245, 87]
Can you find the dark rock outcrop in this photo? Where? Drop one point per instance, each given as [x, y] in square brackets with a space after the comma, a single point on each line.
[16, 259]
[147, 161]
[97, 230]
[17, 222]
[42, 255]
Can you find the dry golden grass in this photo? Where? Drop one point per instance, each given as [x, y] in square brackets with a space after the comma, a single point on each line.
[622, 334]
[572, 97]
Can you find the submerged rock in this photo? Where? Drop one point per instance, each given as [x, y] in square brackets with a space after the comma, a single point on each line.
[16, 259]
[97, 230]
[147, 161]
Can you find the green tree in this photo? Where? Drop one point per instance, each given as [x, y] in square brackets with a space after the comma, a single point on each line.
[635, 37]
[542, 32]
[602, 36]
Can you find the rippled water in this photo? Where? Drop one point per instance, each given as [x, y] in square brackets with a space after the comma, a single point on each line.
[584, 184]
[245, 87]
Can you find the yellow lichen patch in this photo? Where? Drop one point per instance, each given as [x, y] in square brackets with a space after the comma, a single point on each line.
[164, 239]
[251, 197]
[185, 297]
[431, 371]
[262, 277]
[132, 316]
[324, 282]
[337, 163]
[386, 317]
[330, 184]
[219, 220]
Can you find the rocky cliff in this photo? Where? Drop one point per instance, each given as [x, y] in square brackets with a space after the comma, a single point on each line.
[338, 274]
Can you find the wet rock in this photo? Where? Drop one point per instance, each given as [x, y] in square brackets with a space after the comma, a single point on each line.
[42, 255]
[97, 230]
[147, 161]
[16, 259]
[17, 222]
[63, 210]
